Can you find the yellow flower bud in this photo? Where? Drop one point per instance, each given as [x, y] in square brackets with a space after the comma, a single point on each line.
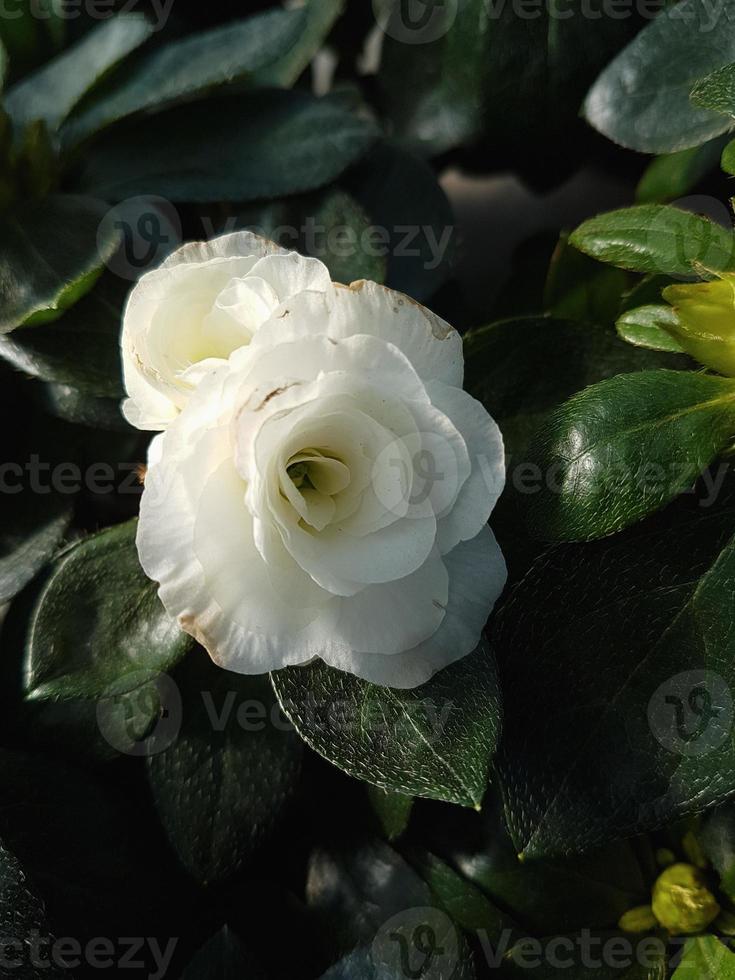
[706, 315]
[682, 903]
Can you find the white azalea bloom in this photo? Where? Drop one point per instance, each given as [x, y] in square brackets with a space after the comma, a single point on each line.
[205, 301]
[325, 493]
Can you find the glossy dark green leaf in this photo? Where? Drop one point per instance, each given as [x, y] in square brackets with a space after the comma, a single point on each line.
[641, 100]
[87, 731]
[411, 216]
[33, 527]
[223, 782]
[443, 106]
[318, 17]
[190, 67]
[269, 143]
[365, 894]
[330, 225]
[435, 740]
[22, 915]
[33, 35]
[560, 894]
[705, 958]
[50, 255]
[674, 175]
[588, 956]
[728, 158]
[578, 288]
[546, 895]
[468, 907]
[393, 810]
[52, 92]
[653, 238]
[79, 407]
[623, 448]
[618, 713]
[523, 368]
[81, 348]
[645, 326]
[99, 623]
[480, 70]
[716, 91]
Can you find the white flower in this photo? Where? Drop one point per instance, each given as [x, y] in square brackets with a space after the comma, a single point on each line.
[204, 302]
[325, 493]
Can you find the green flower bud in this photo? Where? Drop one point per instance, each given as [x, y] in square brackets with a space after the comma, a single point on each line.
[706, 321]
[682, 903]
[640, 919]
[665, 857]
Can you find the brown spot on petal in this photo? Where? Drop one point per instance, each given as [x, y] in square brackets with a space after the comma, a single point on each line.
[273, 394]
[190, 625]
[141, 471]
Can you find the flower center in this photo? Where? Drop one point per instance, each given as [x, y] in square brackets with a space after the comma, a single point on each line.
[314, 483]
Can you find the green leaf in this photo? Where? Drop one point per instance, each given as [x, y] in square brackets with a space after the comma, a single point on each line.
[435, 740]
[645, 326]
[393, 810]
[623, 448]
[33, 528]
[443, 106]
[728, 158]
[459, 898]
[716, 91]
[31, 34]
[79, 407]
[50, 255]
[99, 623]
[706, 958]
[562, 894]
[81, 348]
[641, 100]
[318, 18]
[675, 174]
[190, 67]
[269, 143]
[22, 915]
[623, 640]
[578, 288]
[655, 238]
[330, 225]
[219, 787]
[588, 956]
[85, 730]
[53, 91]
[365, 894]
[523, 368]
[402, 196]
